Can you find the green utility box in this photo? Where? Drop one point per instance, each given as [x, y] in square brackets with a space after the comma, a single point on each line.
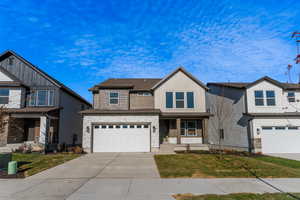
[12, 167]
[5, 158]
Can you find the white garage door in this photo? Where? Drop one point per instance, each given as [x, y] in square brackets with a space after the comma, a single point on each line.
[121, 138]
[280, 139]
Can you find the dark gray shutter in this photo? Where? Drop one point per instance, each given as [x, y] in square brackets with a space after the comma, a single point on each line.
[169, 100]
[190, 99]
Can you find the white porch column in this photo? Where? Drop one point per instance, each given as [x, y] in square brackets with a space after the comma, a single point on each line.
[43, 129]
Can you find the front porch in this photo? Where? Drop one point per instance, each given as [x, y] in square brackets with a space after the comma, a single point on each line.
[183, 129]
[35, 129]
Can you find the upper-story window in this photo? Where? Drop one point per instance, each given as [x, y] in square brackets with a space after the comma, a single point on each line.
[144, 94]
[270, 94]
[259, 97]
[113, 98]
[260, 100]
[42, 98]
[291, 96]
[4, 96]
[181, 99]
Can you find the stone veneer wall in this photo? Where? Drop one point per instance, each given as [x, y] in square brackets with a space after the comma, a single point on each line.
[89, 119]
[4, 131]
[256, 145]
[15, 131]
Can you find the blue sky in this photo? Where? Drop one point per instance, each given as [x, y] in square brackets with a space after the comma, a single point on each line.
[82, 43]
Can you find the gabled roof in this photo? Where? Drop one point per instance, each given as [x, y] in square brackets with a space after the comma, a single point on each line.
[138, 84]
[44, 74]
[15, 81]
[268, 79]
[173, 73]
[245, 85]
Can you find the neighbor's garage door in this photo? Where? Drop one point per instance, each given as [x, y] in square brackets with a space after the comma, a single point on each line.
[121, 138]
[280, 139]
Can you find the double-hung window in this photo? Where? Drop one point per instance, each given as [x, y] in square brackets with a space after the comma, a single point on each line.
[4, 96]
[270, 94]
[113, 98]
[41, 98]
[259, 97]
[179, 99]
[291, 96]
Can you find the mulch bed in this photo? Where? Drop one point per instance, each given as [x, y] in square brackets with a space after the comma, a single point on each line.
[4, 175]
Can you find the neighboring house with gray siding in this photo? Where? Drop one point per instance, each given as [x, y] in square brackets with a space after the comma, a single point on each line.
[38, 108]
[228, 104]
[137, 115]
[265, 115]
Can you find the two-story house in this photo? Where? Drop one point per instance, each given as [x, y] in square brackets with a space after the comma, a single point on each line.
[34, 107]
[137, 115]
[262, 116]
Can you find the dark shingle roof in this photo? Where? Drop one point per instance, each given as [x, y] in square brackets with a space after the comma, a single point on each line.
[230, 84]
[243, 85]
[31, 109]
[131, 111]
[127, 83]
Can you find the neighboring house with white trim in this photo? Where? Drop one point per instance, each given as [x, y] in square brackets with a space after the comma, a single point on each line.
[137, 115]
[265, 115]
[36, 108]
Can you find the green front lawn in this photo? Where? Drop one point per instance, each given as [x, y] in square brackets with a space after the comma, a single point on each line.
[33, 163]
[208, 165]
[241, 196]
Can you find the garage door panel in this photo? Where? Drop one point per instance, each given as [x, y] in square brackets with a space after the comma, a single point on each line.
[286, 141]
[121, 139]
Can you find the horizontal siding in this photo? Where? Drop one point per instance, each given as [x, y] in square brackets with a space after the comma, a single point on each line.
[104, 100]
[141, 102]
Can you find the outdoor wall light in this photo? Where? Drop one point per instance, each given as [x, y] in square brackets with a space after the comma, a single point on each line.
[154, 129]
[87, 129]
[258, 131]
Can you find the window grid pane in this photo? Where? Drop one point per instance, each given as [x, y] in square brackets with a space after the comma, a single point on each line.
[259, 97]
[42, 97]
[179, 99]
[270, 94]
[113, 98]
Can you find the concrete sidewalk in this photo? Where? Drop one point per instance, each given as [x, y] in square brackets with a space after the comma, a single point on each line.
[135, 189]
[291, 156]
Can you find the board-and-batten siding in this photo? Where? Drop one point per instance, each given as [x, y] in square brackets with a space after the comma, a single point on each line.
[29, 77]
[25, 73]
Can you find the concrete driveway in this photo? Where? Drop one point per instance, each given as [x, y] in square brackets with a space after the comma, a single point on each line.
[292, 156]
[122, 176]
[105, 165]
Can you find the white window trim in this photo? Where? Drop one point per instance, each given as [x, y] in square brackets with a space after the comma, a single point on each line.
[270, 97]
[36, 103]
[184, 98]
[263, 98]
[291, 97]
[186, 129]
[145, 94]
[118, 98]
